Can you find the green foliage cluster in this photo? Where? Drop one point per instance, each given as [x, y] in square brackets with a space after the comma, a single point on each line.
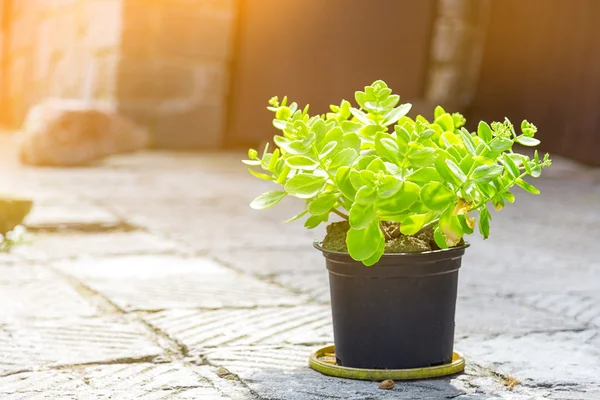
[374, 163]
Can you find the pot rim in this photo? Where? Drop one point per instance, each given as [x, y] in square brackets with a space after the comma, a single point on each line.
[317, 245]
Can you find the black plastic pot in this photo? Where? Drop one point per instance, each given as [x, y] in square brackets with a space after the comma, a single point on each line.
[396, 314]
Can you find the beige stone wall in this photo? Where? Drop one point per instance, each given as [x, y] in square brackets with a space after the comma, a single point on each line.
[61, 48]
[458, 41]
[164, 63]
[175, 68]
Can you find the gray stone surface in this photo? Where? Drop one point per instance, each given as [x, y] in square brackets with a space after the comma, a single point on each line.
[118, 381]
[304, 325]
[166, 285]
[160, 282]
[27, 345]
[69, 214]
[60, 246]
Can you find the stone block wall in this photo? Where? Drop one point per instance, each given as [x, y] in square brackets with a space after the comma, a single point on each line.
[456, 51]
[60, 48]
[174, 69]
[165, 63]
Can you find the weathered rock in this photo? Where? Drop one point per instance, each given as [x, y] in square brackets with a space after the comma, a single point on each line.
[74, 132]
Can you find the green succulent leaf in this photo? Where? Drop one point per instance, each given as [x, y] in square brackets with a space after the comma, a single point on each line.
[376, 256]
[342, 178]
[366, 195]
[305, 186]
[437, 196]
[424, 175]
[268, 199]
[486, 173]
[484, 222]
[315, 220]
[302, 162]
[361, 215]
[484, 132]
[527, 141]
[344, 158]
[364, 243]
[527, 186]
[323, 203]
[412, 224]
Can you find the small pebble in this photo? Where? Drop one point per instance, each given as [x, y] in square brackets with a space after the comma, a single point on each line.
[387, 384]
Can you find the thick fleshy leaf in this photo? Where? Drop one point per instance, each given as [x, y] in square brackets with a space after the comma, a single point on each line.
[268, 199]
[361, 215]
[342, 178]
[484, 132]
[361, 116]
[376, 256]
[302, 163]
[352, 141]
[387, 148]
[422, 157]
[327, 149]
[323, 203]
[445, 121]
[305, 186]
[468, 141]
[315, 220]
[414, 223]
[402, 138]
[366, 195]
[527, 187]
[439, 238]
[395, 114]
[364, 243]
[455, 170]
[260, 175]
[510, 165]
[437, 196]
[344, 158]
[486, 173]
[389, 186]
[424, 175]
[527, 141]
[501, 144]
[484, 222]
[403, 200]
[450, 227]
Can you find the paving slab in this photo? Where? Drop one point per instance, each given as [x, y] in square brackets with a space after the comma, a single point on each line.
[55, 246]
[29, 345]
[267, 262]
[118, 381]
[158, 282]
[36, 292]
[313, 284]
[282, 373]
[580, 306]
[555, 359]
[68, 213]
[497, 315]
[216, 223]
[310, 324]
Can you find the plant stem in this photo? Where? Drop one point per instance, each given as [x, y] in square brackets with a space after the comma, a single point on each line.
[341, 214]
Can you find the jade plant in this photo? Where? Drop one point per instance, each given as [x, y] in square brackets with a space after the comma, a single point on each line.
[373, 165]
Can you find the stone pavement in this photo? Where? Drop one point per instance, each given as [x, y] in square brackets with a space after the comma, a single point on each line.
[149, 277]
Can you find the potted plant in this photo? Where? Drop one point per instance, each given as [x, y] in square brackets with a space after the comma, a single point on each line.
[406, 192]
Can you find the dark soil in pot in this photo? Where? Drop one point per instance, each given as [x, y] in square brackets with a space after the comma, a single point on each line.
[398, 313]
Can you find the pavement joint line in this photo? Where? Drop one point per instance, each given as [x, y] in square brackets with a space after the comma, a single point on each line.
[264, 279]
[161, 339]
[84, 228]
